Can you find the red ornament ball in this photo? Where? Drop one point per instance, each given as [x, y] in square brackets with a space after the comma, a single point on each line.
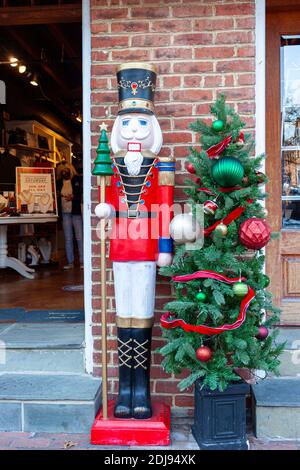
[190, 168]
[204, 354]
[254, 233]
[263, 333]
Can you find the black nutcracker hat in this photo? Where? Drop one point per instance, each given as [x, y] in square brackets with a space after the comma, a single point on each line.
[136, 86]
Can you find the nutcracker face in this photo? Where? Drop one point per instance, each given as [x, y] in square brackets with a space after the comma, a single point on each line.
[142, 129]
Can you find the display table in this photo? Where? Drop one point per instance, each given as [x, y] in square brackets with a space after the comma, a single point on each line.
[14, 263]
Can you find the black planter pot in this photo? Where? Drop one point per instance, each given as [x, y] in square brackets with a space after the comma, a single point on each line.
[220, 417]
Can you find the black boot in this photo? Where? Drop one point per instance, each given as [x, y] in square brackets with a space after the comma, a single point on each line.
[123, 408]
[141, 404]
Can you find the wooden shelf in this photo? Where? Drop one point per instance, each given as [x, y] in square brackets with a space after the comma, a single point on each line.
[29, 149]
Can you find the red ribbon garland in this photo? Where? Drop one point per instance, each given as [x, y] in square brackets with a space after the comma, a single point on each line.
[235, 214]
[215, 150]
[202, 329]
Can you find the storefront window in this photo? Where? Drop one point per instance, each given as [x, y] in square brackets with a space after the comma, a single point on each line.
[290, 130]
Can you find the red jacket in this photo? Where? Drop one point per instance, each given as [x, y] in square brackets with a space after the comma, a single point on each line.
[143, 205]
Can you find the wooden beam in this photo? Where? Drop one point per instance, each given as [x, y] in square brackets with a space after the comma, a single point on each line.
[59, 37]
[13, 16]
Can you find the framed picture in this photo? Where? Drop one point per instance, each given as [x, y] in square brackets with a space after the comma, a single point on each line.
[43, 142]
[36, 189]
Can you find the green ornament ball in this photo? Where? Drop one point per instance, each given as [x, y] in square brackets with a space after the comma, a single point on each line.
[240, 289]
[218, 125]
[266, 280]
[201, 296]
[227, 172]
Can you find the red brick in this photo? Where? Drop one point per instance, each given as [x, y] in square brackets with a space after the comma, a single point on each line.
[151, 40]
[171, 82]
[193, 67]
[173, 53]
[99, 28]
[170, 109]
[108, 41]
[104, 97]
[108, 13]
[130, 27]
[192, 11]
[150, 12]
[246, 51]
[177, 137]
[212, 81]
[237, 65]
[246, 79]
[192, 81]
[162, 95]
[234, 37]
[235, 9]
[202, 108]
[167, 386]
[214, 52]
[240, 93]
[193, 39]
[245, 23]
[99, 56]
[99, 83]
[98, 111]
[168, 26]
[246, 108]
[103, 69]
[183, 124]
[213, 24]
[157, 372]
[192, 95]
[181, 151]
[131, 54]
[184, 400]
[229, 80]
[165, 124]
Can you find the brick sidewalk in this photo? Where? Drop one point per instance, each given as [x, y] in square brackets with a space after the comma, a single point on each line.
[181, 439]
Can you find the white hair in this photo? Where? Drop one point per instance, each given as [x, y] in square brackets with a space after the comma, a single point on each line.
[158, 138]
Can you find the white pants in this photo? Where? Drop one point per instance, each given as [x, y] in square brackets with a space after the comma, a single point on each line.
[135, 288]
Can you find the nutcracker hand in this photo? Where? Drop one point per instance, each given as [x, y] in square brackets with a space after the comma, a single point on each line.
[104, 211]
[164, 259]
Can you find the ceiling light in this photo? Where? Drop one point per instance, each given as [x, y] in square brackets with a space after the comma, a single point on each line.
[22, 68]
[13, 61]
[34, 80]
[78, 117]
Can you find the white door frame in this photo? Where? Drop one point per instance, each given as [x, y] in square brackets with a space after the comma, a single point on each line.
[86, 131]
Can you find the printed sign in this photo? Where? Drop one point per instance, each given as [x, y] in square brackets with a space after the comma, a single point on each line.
[35, 188]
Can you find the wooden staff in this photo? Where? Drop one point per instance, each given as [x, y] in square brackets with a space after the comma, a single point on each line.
[102, 169]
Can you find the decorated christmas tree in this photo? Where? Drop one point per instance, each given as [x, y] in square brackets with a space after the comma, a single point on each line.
[221, 321]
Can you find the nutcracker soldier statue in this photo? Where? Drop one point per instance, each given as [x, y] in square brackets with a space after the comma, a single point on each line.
[139, 201]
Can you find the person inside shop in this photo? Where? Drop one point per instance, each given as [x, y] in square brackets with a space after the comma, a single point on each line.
[69, 195]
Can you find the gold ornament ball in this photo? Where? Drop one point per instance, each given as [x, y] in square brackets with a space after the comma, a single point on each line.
[221, 230]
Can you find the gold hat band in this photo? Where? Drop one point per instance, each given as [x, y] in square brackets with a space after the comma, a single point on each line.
[137, 65]
[137, 103]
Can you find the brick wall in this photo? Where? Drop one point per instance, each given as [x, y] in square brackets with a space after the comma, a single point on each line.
[201, 48]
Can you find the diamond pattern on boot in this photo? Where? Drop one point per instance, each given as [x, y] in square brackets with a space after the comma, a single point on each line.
[125, 348]
[140, 353]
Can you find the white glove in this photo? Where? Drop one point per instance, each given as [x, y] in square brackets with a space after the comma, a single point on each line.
[164, 259]
[104, 211]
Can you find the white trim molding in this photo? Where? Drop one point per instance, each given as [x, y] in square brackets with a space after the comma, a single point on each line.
[86, 85]
[260, 86]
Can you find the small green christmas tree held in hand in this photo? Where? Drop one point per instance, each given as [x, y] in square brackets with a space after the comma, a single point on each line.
[228, 332]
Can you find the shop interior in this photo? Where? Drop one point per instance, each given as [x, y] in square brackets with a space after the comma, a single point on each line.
[40, 130]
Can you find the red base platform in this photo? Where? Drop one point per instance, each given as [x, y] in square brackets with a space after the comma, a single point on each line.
[154, 431]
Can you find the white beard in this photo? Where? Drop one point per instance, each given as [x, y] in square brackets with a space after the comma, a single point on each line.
[133, 162]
